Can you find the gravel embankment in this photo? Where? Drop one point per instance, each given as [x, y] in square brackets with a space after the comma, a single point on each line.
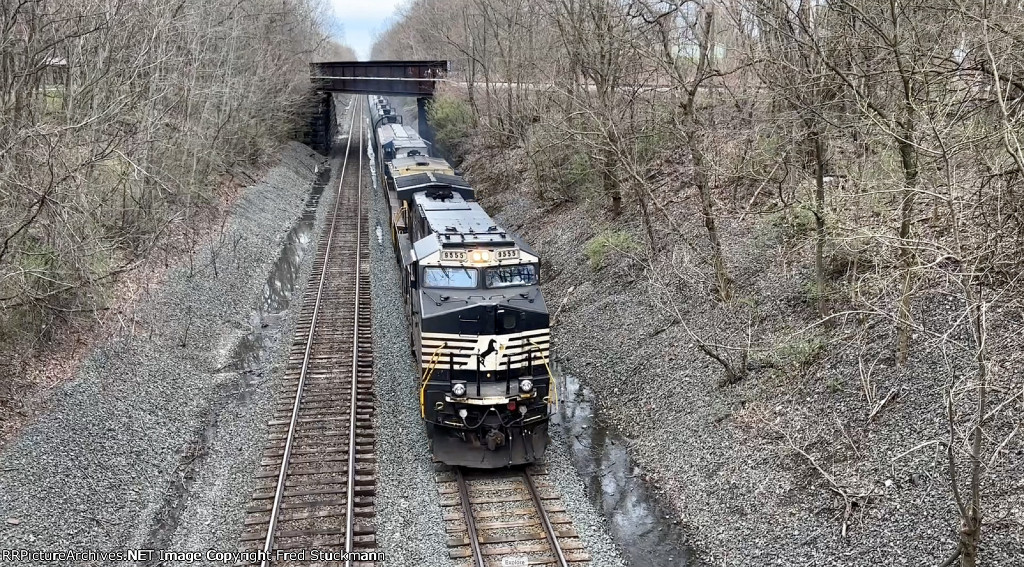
[727, 459]
[106, 467]
[410, 527]
[212, 517]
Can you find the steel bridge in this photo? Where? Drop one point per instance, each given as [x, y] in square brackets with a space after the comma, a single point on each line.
[387, 78]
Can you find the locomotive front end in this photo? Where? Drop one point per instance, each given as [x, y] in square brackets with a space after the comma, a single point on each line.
[484, 348]
[478, 323]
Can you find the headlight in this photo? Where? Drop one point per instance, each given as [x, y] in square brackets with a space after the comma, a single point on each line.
[459, 390]
[526, 386]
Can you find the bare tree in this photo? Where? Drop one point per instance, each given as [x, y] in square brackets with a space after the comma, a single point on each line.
[685, 44]
[116, 121]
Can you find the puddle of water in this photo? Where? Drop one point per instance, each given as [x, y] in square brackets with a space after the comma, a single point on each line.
[281, 283]
[372, 157]
[636, 520]
[277, 293]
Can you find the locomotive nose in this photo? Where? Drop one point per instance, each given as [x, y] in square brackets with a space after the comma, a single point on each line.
[485, 337]
[492, 319]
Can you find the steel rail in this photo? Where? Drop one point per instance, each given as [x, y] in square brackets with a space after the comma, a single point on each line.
[268, 544]
[467, 512]
[350, 497]
[545, 521]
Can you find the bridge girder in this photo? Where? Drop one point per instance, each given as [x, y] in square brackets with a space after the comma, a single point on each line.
[386, 78]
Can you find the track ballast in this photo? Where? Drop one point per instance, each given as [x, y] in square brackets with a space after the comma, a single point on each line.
[503, 518]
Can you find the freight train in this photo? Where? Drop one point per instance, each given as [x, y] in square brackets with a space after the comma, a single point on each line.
[480, 330]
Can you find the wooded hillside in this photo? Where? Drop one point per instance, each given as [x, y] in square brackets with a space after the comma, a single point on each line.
[876, 146]
[118, 121]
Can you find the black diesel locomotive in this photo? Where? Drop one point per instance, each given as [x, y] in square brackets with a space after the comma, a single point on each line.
[480, 328]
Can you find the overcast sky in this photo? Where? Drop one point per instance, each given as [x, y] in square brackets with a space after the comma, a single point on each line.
[361, 20]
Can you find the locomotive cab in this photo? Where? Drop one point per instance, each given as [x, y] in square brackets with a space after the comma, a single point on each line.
[480, 333]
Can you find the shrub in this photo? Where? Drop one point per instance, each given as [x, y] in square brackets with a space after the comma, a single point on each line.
[793, 222]
[453, 121]
[561, 168]
[597, 248]
[795, 358]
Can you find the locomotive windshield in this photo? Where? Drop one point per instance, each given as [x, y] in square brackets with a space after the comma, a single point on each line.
[508, 276]
[449, 277]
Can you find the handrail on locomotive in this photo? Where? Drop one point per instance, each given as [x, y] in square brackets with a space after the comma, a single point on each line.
[427, 373]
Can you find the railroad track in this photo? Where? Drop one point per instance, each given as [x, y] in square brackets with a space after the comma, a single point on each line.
[316, 480]
[507, 518]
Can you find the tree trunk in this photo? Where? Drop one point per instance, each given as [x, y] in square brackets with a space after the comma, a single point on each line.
[610, 181]
[904, 321]
[819, 222]
[707, 204]
[970, 533]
